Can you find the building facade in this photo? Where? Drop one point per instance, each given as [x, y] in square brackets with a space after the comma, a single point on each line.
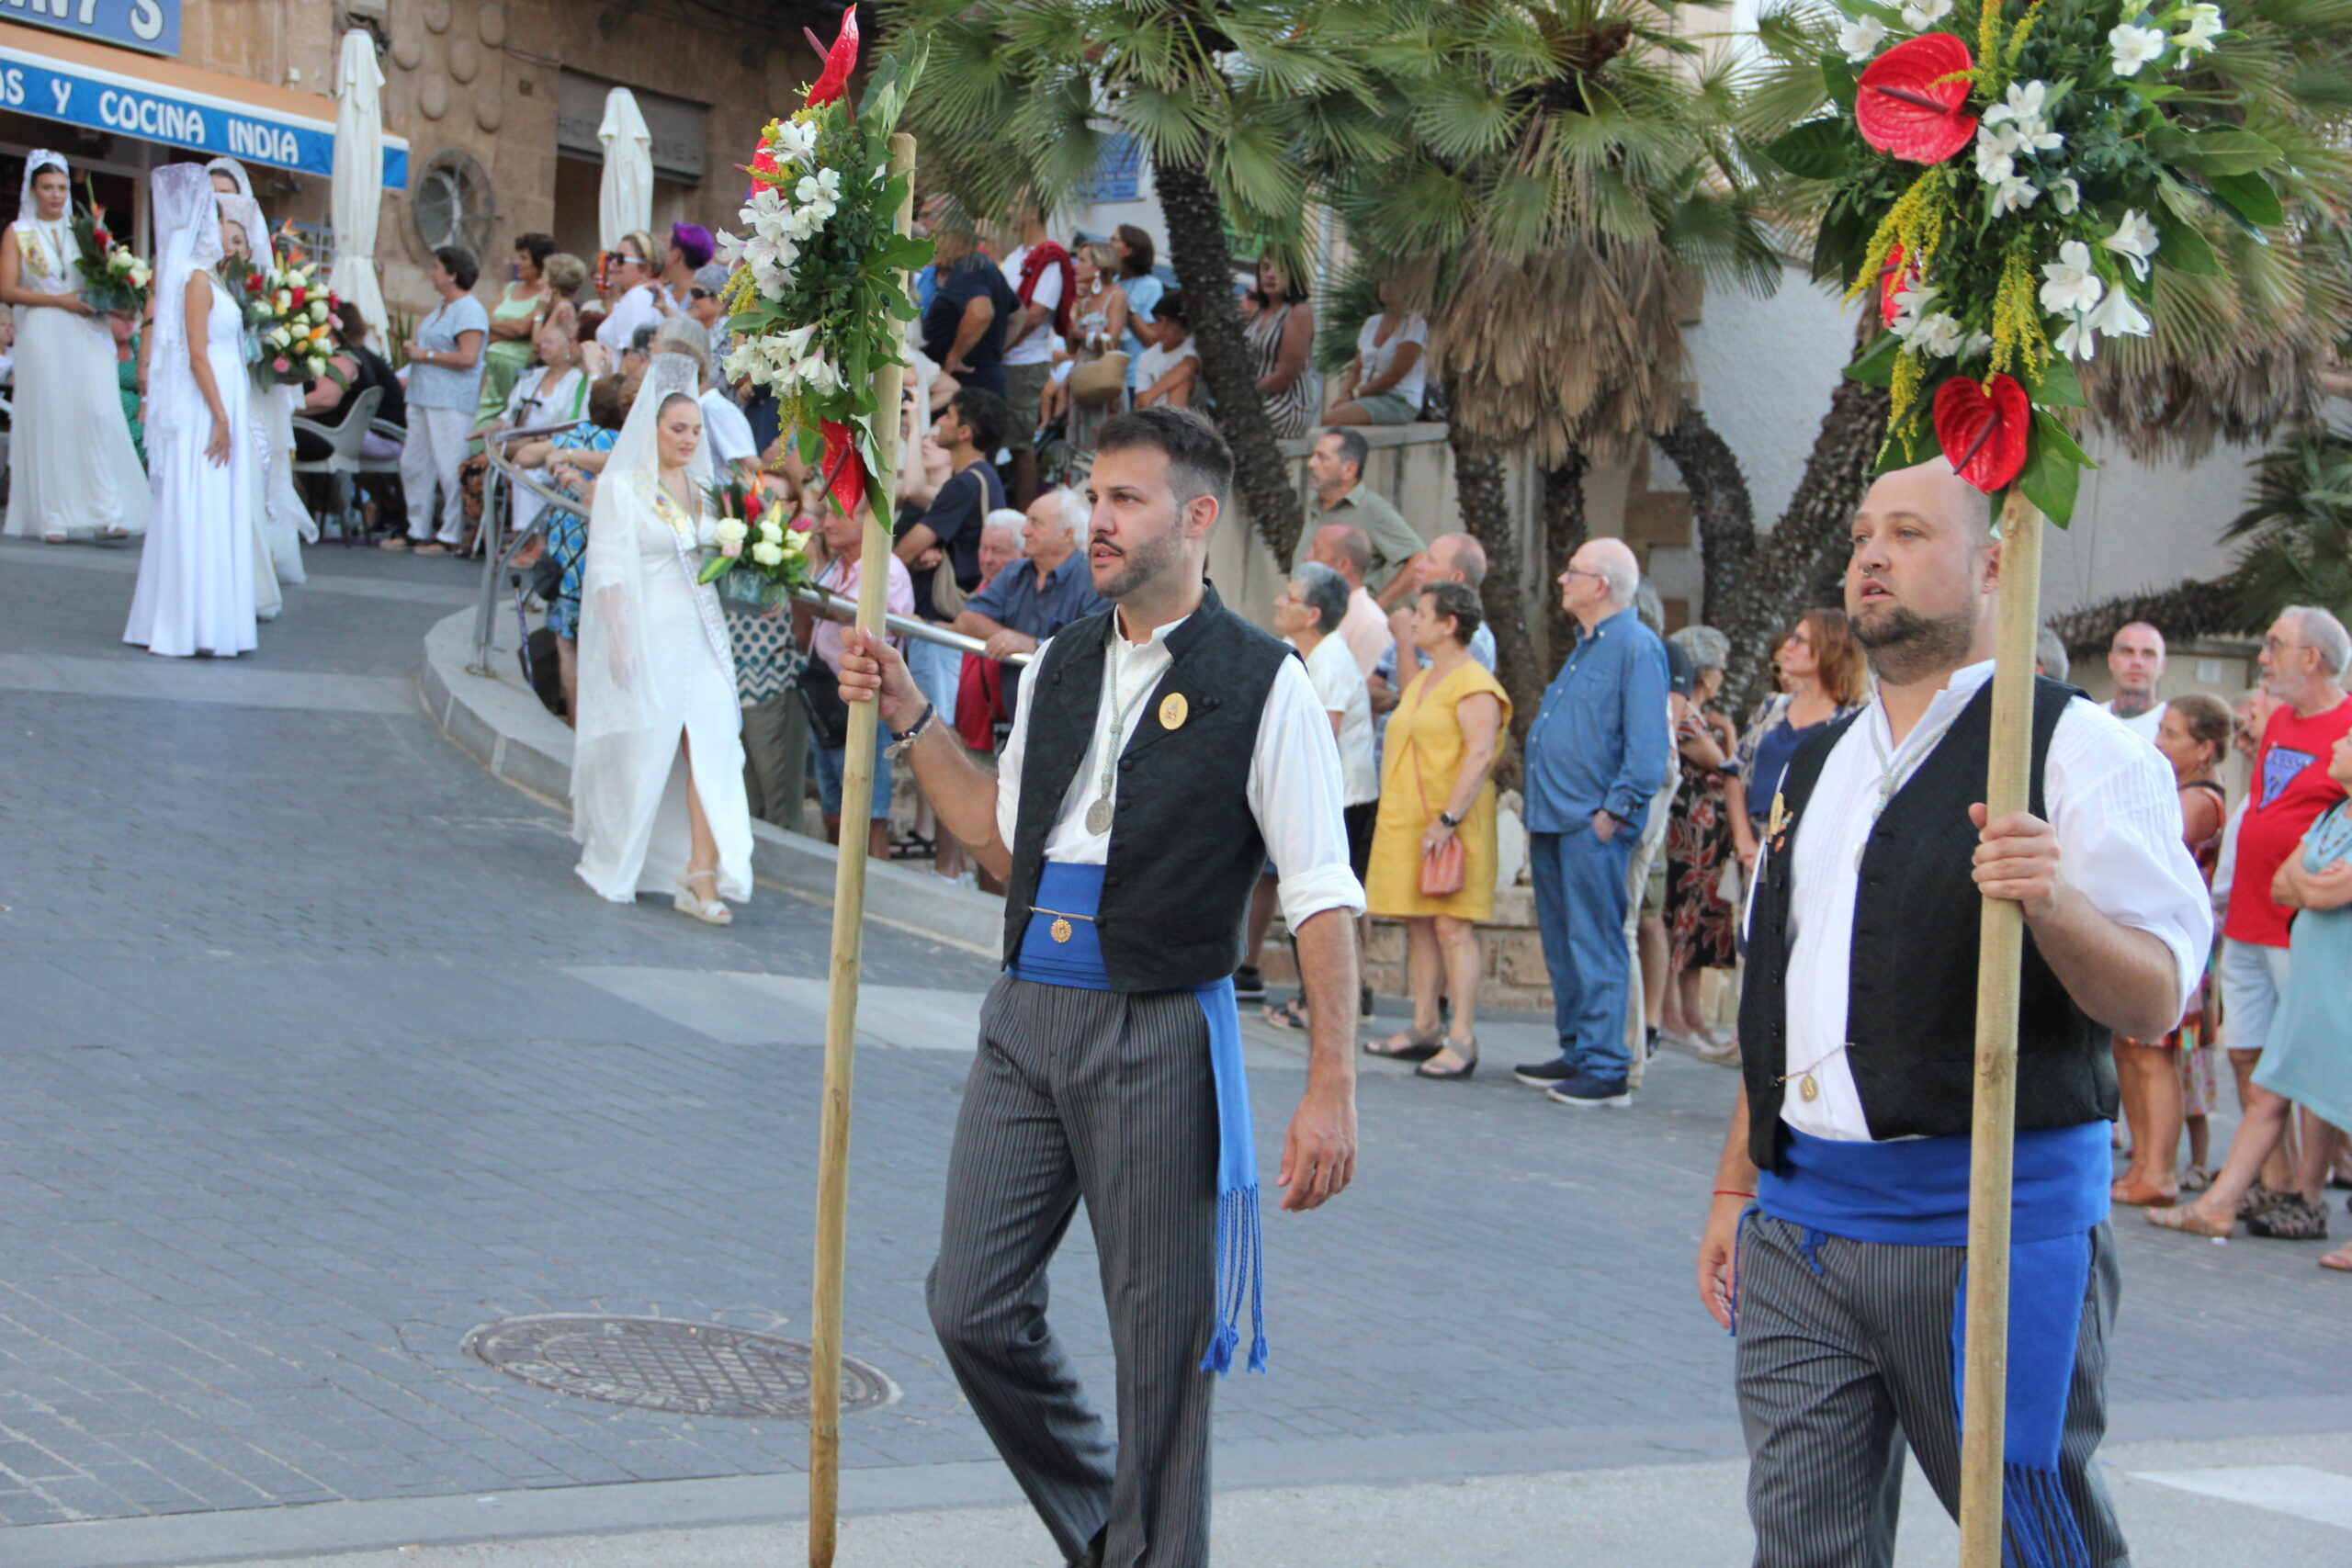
[491, 108]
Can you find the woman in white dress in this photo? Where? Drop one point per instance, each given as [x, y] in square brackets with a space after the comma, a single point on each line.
[286, 523]
[196, 573]
[657, 775]
[72, 466]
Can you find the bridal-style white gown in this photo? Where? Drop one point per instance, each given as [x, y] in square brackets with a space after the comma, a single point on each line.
[629, 790]
[196, 571]
[72, 469]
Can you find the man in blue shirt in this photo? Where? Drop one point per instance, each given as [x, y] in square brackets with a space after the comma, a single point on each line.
[964, 325]
[1032, 599]
[1596, 754]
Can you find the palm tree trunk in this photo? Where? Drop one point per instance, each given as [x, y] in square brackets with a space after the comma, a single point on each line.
[1719, 505]
[1480, 490]
[1196, 249]
[1783, 576]
[1564, 534]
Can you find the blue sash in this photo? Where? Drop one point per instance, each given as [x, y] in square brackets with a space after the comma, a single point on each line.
[1914, 1192]
[1061, 947]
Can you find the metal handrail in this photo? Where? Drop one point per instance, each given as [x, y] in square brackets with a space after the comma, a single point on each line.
[495, 560]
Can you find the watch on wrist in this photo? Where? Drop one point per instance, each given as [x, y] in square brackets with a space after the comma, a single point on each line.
[1449, 820]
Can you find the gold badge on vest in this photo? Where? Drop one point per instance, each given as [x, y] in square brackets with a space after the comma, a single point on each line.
[1173, 711]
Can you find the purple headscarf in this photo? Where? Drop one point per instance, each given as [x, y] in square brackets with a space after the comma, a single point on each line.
[693, 243]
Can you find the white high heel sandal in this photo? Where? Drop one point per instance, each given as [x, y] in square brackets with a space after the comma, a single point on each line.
[710, 911]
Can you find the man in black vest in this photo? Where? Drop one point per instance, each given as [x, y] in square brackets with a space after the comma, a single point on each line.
[1165, 749]
[1836, 1243]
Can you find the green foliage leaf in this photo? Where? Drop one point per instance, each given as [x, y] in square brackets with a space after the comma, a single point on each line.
[2181, 245]
[1817, 150]
[1874, 367]
[2253, 197]
[893, 80]
[2055, 385]
[2227, 150]
[2053, 473]
[1838, 77]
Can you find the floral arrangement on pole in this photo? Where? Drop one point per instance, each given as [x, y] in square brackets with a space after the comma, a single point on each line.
[115, 282]
[288, 311]
[818, 295]
[761, 558]
[1994, 273]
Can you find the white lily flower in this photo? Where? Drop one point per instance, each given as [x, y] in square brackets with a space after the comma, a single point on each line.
[2066, 196]
[1860, 38]
[2135, 241]
[2132, 48]
[1921, 15]
[2013, 194]
[1910, 305]
[2073, 283]
[2079, 341]
[2118, 316]
[1975, 344]
[1994, 167]
[1939, 335]
[2204, 27]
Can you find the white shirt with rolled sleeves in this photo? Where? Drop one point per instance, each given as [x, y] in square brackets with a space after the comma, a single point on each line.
[2116, 812]
[1296, 789]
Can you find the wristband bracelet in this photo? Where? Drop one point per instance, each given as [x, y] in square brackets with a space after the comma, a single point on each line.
[902, 742]
[1732, 1192]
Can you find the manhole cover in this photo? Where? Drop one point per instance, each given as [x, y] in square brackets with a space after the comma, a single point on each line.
[660, 1363]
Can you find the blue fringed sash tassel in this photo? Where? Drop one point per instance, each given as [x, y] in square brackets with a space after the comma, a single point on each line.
[1914, 1192]
[1062, 948]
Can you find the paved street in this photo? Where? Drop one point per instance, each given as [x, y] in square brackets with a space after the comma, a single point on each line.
[317, 1057]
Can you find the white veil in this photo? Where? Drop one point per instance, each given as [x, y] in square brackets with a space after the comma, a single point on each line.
[622, 677]
[236, 172]
[41, 158]
[286, 523]
[187, 239]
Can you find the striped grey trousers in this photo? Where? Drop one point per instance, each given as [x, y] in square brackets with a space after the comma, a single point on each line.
[1836, 1370]
[1109, 1098]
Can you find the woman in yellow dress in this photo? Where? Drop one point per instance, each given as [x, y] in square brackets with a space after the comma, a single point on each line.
[1436, 785]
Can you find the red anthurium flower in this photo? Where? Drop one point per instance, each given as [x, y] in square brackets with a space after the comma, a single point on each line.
[1913, 96]
[840, 60]
[844, 472]
[302, 295]
[1892, 279]
[1985, 435]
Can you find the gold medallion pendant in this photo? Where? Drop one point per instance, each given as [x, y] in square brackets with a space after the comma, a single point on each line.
[1173, 711]
[1808, 1088]
[1061, 933]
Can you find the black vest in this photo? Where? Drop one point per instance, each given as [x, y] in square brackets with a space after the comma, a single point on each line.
[1185, 851]
[1911, 1003]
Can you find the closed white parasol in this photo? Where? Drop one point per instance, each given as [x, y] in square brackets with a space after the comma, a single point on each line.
[625, 198]
[358, 179]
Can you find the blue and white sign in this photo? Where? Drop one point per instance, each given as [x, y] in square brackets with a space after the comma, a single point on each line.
[151, 25]
[104, 100]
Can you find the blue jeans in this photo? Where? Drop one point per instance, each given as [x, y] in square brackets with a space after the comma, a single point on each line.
[1580, 910]
[938, 672]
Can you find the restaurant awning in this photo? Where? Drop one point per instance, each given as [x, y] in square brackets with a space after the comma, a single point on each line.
[55, 77]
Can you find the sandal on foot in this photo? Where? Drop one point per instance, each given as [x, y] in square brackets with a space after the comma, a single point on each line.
[2189, 1218]
[1408, 1045]
[2258, 1199]
[709, 911]
[914, 846]
[1287, 1015]
[2293, 1218]
[2340, 1261]
[1466, 1049]
[2140, 1193]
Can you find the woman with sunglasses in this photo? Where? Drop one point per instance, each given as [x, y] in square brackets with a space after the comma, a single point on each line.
[631, 299]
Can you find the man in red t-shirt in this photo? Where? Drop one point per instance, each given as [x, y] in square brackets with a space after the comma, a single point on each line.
[2303, 658]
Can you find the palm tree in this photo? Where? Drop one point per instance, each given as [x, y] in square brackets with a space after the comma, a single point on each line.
[2298, 530]
[1233, 101]
[1565, 181]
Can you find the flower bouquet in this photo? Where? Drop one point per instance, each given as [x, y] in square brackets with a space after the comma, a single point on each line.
[115, 282]
[760, 558]
[819, 291]
[2004, 178]
[290, 314]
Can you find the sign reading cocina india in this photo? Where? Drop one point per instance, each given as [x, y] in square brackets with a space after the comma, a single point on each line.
[151, 25]
[103, 101]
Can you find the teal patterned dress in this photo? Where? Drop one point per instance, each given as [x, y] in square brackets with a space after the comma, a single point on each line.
[127, 378]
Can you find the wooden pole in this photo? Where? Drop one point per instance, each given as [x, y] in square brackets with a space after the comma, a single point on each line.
[849, 931]
[2006, 789]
